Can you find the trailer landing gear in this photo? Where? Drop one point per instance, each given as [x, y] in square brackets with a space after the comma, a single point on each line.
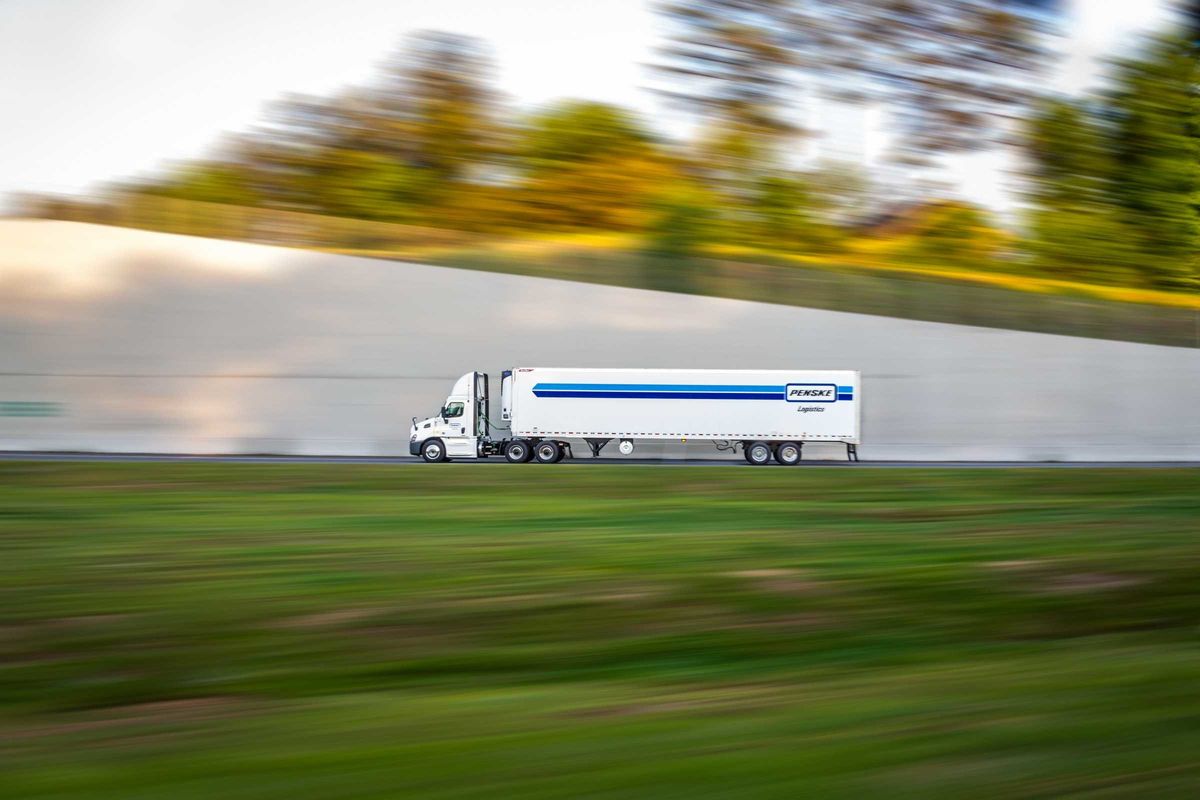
[596, 445]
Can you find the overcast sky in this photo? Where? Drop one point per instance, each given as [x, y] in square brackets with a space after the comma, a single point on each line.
[92, 90]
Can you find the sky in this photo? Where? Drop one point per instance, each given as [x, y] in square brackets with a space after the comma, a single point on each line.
[94, 90]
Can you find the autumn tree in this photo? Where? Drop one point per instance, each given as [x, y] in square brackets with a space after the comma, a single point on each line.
[589, 165]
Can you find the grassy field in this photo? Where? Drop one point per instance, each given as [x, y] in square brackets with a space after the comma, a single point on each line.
[251, 631]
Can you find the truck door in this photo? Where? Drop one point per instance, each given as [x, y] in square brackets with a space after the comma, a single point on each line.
[458, 437]
[463, 418]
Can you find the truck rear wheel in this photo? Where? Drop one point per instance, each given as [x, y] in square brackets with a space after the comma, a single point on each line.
[547, 451]
[788, 453]
[758, 453]
[518, 451]
[433, 451]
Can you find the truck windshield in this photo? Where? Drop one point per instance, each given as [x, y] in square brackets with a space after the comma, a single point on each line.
[453, 410]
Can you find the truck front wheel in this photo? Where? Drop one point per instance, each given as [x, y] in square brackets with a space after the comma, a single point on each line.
[518, 451]
[433, 451]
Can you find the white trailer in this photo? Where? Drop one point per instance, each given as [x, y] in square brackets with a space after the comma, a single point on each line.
[764, 413]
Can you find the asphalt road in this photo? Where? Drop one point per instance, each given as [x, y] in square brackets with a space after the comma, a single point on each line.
[14, 455]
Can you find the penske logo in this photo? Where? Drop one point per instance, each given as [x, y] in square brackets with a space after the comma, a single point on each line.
[817, 393]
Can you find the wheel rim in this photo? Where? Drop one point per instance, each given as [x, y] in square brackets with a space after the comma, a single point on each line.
[433, 451]
[788, 453]
[546, 452]
[516, 452]
[760, 455]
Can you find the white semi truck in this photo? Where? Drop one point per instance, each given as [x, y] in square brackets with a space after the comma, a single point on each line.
[767, 414]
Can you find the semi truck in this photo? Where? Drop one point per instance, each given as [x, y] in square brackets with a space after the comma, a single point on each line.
[765, 414]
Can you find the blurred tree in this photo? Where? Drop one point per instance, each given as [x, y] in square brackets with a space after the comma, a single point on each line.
[1155, 110]
[950, 70]
[1116, 182]
[438, 106]
[784, 219]
[684, 220]
[399, 150]
[841, 193]
[728, 60]
[589, 165]
[955, 234]
[1075, 229]
[369, 185]
[209, 182]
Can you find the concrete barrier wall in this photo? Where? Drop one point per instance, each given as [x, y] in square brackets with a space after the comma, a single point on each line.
[124, 340]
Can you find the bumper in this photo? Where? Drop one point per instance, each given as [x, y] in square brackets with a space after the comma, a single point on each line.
[414, 448]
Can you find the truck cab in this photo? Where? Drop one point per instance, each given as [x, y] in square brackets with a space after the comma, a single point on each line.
[460, 428]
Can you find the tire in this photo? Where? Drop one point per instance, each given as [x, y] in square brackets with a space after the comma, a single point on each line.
[547, 451]
[787, 453]
[758, 453]
[433, 451]
[518, 451]
[563, 450]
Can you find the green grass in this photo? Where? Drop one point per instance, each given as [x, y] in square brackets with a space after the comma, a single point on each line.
[253, 631]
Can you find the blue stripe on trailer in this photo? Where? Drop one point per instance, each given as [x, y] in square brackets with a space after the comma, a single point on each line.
[662, 395]
[654, 387]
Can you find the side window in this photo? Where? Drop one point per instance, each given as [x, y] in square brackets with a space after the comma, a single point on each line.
[454, 410]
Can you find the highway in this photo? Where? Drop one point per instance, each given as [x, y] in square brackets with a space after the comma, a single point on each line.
[632, 461]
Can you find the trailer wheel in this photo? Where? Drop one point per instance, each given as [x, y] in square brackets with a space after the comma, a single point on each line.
[788, 453]
[518, 451]
[758, 453]
[433, 451]
[547, 451]
[564, 450]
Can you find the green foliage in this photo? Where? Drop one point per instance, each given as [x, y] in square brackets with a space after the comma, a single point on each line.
[1116, 183]
[684, 220]
[581, 130]
[783, 207]
[367, 185]
[954, 234]
[589, 165]
[1086, 243]
[1156, 121]
[211, 182]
